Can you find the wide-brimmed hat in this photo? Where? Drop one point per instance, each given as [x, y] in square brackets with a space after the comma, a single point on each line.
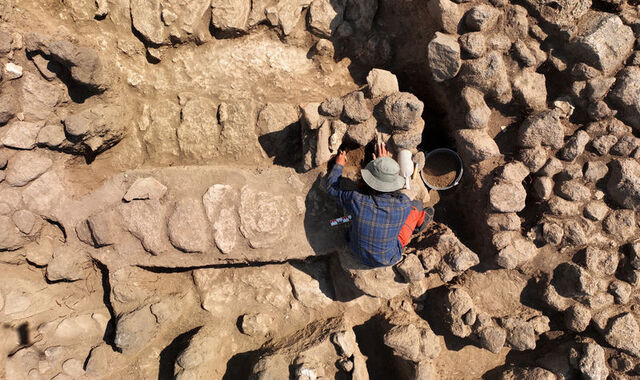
[381, 174]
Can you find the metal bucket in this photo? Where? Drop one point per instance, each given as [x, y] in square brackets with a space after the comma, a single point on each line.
[458, 172]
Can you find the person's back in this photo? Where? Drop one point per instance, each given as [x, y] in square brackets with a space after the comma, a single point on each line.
[381, 222]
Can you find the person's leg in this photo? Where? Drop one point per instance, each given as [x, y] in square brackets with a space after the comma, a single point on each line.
[416, 218]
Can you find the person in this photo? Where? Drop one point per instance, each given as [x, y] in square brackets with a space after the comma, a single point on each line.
[383, 218]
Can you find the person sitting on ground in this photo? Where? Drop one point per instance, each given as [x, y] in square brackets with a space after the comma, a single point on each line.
[384, 219]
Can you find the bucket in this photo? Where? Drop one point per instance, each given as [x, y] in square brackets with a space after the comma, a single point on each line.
[437, 174]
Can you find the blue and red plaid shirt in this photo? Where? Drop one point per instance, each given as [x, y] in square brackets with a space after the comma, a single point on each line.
[376, 224]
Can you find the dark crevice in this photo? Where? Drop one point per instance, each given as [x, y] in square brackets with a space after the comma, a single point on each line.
[255, 264]
[240, 365]
[170, 354]
[110, 332]
[370, 339]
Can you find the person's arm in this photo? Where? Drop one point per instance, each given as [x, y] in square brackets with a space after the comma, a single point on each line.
[333, 183]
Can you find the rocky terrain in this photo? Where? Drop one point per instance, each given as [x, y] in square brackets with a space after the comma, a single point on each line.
[163, 214]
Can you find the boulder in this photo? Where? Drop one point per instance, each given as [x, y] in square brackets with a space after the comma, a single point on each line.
[51, 136]
[8, 104]
[145, 18]
[543, 128]
[504, 221]
[571, 281]
[258, 325]
[332, 107]
[264, 218]
[507, 197]
[562, 207]
[623, 333]
[230, 16]
[21, 135]
[530, 89]
[458, 304]
[188, 227]
[601, 262]
[45, 195]
[481, 17]
[443, 57]
[362, 133]
[10, 236]
[357, 109]
[26, 166]
[473, 44]
[489, 75]
[97, 127]
[625, 145]
[412, 342]
[552, 233]
[409, 139]
[402, 110]
[605, 43]
[135, 330]
[492, 338]
[519, 251]
[38, 98]
[219, 204]
[577, 317]
[376, 282]
[477, 113]
[575, 146]
[521, 336]
[476, 145]
[595, 171]
[625, 95]
[68, 264]
[146, 221]
[533, 373]
[624, 183]
[325, 17]
[543, 187]
[621, 291]
[573, 190]
[592, 364]
[145, 188]
[533, 158]
[446, 14]
[596, 210]
[27, 222]
[199, 131]
[621, 224]
[411, 268]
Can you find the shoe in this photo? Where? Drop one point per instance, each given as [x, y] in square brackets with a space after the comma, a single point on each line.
[429, 212]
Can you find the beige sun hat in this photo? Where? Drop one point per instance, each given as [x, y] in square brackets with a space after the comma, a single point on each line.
[382, 174]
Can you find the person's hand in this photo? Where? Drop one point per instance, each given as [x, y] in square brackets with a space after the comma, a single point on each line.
[382, 151]
[341, 158]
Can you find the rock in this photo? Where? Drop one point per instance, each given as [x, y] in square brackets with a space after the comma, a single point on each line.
[592, 364]
[443, 57]
[621, 291]
[625, 97]
[595, 171]
[573, 190]
[38, 98]
[16, 302]
[324, 17]
[26, 166]
[624, 183]
[504, 221]
[458, 304]
[8, 104]
[258, 325]
[264, 218]
[543, 128]
[324, 48]
[331, 107]
[477, 112]
[572, 281]
[356, 108]
[476, 145]
[146, 221]
[621, 224]
[27, 222]
[51, 136]
[413, 343]
[95, 128]
[5, 42]
[187, 226]
[446, 14]
[222, 218]
[514, 172]
[623, 333]
[543, 187]
[561, 207]
[100, 360]
[409, 139]
[473, 44]
[489, 75]
[44, 195]
[12, 71]
[576, 232]
[73, 368]
[145, 188]
[230, 16]
[519, 251]
[507, 197]
[10, 237]
[534, 158]
[199, 130]
[377, 282]
[492, 338]
[68, 264]
[605, 43]
[363, 133]
[596, 210]
[145, 17]
[599, 110]
[135, 330]
[570, 172]
[575, 146]
[411, 268]
[601, 263]
[529, 88]
[481, 17]
[345, 342]
[21, 135]
[635, 255]
[524, 54]
[45, 67]
[402, 110]
[625, 145]
[577, 317]
[554, 300]
[535, 373]
[520, 335]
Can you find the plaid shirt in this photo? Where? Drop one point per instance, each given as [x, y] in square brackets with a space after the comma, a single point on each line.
[376, 224]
